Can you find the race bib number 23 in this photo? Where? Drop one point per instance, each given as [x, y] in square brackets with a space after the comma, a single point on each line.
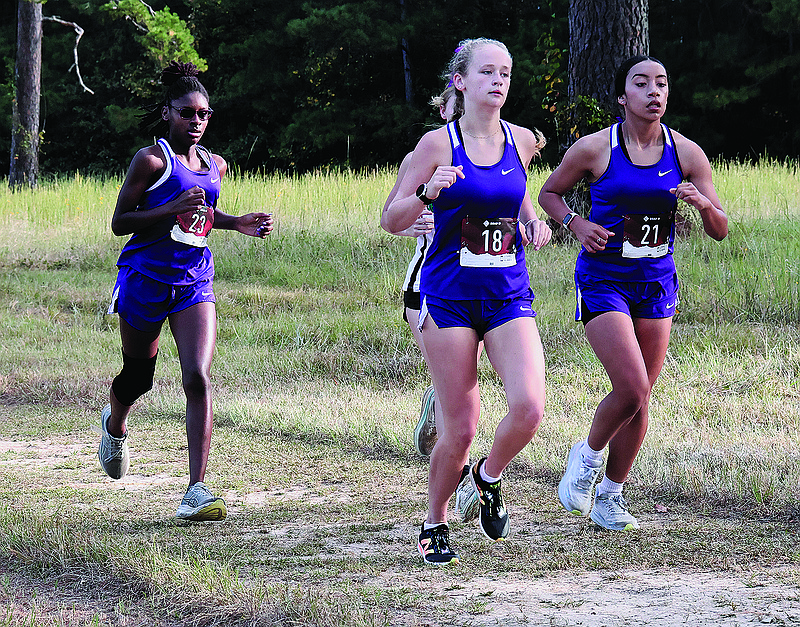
[192, 227]
[488, 243]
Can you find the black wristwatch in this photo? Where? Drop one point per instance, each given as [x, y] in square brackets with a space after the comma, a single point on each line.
[568, 218]
[421, 191]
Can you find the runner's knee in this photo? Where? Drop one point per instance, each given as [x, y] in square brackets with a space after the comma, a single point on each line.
[196, 383]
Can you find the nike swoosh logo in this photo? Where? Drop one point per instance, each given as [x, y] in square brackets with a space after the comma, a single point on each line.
[215, 180]
[670, 306]
[205, 293]
[525, 309]
[660, 173]
[504, 172]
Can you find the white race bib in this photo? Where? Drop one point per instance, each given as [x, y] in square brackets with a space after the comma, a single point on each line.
[646, 235]
[192, 227]
[488, 243]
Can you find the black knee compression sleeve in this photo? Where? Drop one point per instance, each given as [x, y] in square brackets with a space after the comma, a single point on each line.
[135, 379]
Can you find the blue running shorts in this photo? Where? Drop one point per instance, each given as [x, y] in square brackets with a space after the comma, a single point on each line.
[637, 299]
[145, 303]
[481, 315]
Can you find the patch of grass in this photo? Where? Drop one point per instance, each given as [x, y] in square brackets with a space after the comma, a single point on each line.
[317, 384]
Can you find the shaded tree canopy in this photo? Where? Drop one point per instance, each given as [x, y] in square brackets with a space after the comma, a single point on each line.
[298, 86]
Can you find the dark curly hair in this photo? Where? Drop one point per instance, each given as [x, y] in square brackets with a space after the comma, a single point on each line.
[179, 79]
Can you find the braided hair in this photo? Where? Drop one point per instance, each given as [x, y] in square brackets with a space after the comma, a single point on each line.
[179, 79]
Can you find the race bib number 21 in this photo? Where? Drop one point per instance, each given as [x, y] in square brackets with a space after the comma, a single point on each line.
[488, 243]
[647, 235]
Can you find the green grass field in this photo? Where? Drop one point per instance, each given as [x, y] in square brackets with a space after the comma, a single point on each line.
[317, 387]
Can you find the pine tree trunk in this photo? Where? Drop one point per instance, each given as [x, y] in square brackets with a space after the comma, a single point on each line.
[602, 34]
[27, 77]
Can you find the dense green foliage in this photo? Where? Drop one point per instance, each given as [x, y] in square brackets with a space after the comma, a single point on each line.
[297, 86]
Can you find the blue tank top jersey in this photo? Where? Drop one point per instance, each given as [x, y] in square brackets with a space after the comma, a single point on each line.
[477, 251]
[635, 203]
[154, 251]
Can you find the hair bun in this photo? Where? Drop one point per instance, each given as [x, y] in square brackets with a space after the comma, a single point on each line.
[175, 71]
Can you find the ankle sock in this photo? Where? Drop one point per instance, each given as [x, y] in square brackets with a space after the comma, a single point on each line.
[590, 456]
[606, 486]
[485, 476]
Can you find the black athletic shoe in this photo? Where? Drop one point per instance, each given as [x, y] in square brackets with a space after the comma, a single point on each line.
[493, 519]
[434, 545]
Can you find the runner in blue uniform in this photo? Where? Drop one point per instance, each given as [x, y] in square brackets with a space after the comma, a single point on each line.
[626, 284]
[475, 285]
[168, 203]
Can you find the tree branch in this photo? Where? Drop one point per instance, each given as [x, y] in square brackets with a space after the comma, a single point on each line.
[149, 8]
[78, 35]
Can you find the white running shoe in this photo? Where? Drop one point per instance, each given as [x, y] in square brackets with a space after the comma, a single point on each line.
[200, 504]
[112, 452]
[467, 500]
[611, 512]
[575, 487]
[425, 435]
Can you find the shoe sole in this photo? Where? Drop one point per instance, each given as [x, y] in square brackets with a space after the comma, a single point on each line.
[470, 513]
[453, 560]
[213, 511]
[478, 492]
[425, 412]
[628, 527]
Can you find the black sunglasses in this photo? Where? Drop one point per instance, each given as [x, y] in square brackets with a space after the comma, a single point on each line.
[187, 113]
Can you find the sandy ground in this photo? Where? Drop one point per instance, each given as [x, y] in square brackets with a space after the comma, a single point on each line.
[659, 598]
[763, 596]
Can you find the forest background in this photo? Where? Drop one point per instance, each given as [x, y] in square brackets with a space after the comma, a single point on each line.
[298, 86]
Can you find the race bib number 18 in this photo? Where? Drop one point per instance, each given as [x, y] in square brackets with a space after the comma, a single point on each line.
[488, 243]
[646, 235]
[192, 227]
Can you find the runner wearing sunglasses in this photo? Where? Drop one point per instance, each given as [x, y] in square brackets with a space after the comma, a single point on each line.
[168, 204]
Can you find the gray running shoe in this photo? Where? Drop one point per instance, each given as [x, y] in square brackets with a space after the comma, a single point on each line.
[200, 504]
[575, 487]
[611, 512]
[425, 435]
[112, 452]
[467, 501]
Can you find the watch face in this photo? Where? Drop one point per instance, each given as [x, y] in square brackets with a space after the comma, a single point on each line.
[568, 218]
[421, 190]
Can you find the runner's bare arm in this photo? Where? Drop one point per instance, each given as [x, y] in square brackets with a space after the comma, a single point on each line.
[430, 164]
[586, 158]
[146, 166]
[698, 188]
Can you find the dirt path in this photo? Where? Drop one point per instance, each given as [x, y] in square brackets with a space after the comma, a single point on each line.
[658, 598]
[664, 597]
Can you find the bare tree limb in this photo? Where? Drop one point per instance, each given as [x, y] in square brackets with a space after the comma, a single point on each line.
[136, 24]
[149, 8]
[78, 35]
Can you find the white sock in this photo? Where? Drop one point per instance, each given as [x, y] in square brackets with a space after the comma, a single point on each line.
[606, 486]
[590, 456]
[485, 476]
[426, 526]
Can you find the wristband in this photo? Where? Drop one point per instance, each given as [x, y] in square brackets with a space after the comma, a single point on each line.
[422, 190]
